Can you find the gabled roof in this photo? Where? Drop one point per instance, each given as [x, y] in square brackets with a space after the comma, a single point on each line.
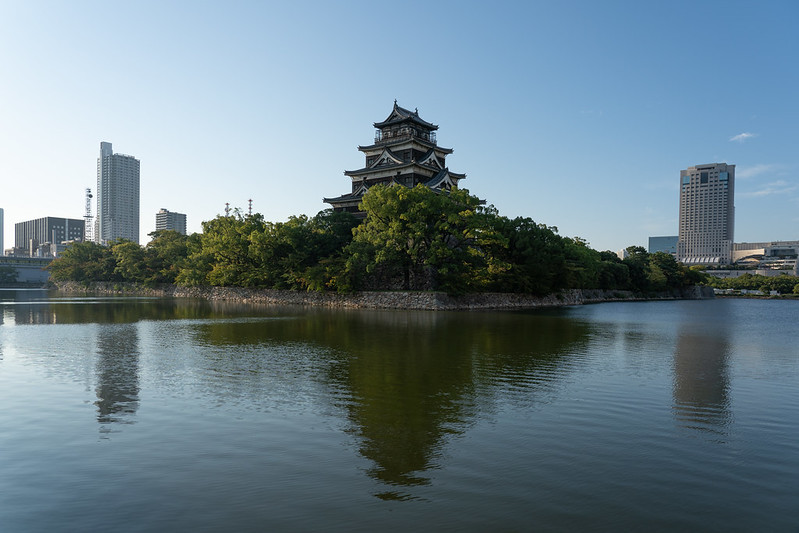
[356, 195]
[387, 155]
[445, 179]
[431, 158]
[400, 114]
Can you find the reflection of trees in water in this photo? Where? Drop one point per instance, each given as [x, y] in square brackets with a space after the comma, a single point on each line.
[408, 380]
[117, 373]
[109, 311]
[701, 383]
[33, 309]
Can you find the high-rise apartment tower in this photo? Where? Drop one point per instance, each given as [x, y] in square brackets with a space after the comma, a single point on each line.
[117, 196]
[168, 220]
[707, 214]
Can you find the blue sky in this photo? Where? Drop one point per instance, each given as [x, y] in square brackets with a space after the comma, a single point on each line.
[579, 115]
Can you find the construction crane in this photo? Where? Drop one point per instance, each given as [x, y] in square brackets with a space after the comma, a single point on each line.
[88, 219]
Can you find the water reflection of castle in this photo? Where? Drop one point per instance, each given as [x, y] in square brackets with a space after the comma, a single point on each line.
[411, 381]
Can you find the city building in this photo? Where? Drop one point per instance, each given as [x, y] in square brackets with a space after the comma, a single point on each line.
[772, 258]
[707, 214]
[168, 220]
[405, 152]
[117, 196]
[46, 237]
[774, 255]
[667, 244]
[2, 229]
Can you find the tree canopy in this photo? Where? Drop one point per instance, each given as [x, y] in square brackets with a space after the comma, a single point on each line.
[411, 238]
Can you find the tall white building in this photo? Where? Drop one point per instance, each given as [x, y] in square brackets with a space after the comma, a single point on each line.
[707, 214]
[2, 229]
[117, 196]
[169, 220]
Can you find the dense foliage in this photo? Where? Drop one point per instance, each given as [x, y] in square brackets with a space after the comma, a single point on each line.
[782, 284]
[8, 275]
[415, 239]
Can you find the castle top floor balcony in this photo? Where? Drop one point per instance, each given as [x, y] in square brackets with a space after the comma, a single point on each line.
[397, 134]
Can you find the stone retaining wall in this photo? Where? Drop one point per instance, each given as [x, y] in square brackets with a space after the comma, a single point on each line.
[379, 300]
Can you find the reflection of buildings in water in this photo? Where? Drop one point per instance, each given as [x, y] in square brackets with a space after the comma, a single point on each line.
[117, 373]
[701, 383]
[34, 314]
[27, 307]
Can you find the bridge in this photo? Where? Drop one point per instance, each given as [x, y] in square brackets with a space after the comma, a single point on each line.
[16, 271]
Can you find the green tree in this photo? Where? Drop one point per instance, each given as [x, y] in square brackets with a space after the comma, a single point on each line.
[8, 275]
[198, 264]
[614, 274]
[419, 235]
[525, 257]
[130, 261]
[226, 242]
[583, 264]
[664, 272]
[84, 262]
[637, 262]
[166, 256]
[783, 284]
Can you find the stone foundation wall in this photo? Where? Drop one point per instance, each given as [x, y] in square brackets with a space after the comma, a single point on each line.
[380, 300]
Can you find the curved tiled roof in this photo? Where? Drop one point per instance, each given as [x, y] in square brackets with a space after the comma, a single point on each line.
[405, 139]
[400, 114]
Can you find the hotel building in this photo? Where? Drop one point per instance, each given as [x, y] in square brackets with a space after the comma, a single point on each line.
[707, 215]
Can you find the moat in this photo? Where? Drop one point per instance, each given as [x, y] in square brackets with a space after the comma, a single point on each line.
[148, 414]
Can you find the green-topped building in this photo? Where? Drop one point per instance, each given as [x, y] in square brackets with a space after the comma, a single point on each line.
[405, 152]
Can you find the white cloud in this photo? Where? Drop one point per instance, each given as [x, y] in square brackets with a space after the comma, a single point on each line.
[750, 172]
[776, 187]
[741, 137]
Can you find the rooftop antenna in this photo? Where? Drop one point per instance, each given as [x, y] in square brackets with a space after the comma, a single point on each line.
[88, 223]
[227, 209]
[250, 211]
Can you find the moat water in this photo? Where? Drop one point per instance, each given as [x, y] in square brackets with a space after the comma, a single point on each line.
[134, 414]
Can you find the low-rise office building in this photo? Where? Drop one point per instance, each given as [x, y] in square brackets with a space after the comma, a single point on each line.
[667, 244]
[37, 238]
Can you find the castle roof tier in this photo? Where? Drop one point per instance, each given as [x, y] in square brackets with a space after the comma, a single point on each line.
[405, 152]
[444, 180]
[400, 115]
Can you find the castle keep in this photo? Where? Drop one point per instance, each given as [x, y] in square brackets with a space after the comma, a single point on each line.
[404, 152]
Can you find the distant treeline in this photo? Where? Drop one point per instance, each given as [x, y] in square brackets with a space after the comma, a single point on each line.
[782, 284]
[413, 239]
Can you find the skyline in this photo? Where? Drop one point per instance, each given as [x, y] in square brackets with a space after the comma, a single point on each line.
[577, 115]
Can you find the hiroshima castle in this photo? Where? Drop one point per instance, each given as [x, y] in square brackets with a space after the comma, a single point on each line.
[404, 152]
